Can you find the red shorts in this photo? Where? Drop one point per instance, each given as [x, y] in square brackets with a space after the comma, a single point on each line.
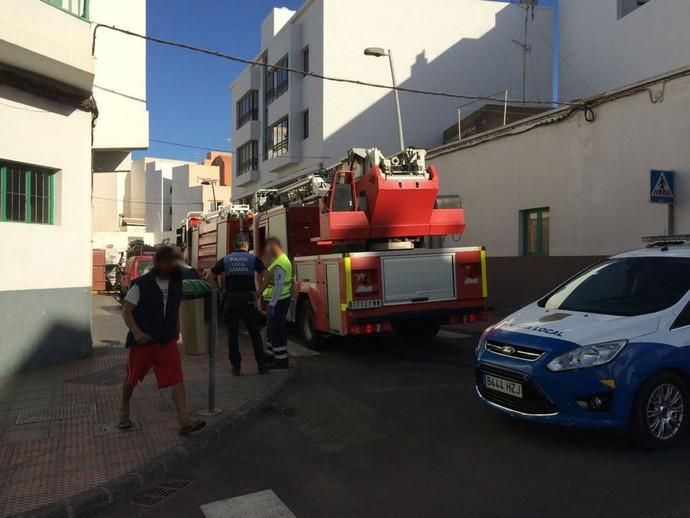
[165, 360]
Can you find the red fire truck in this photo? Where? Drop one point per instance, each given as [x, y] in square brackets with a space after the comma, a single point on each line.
[362, 249]
[209, 237]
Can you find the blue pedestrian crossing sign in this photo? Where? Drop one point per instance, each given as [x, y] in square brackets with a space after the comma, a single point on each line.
[661, 187]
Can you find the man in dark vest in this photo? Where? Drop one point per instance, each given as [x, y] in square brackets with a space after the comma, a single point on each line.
[240, 269]
[150, 311]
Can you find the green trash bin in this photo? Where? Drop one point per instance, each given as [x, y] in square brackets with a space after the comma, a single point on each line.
[192, 316]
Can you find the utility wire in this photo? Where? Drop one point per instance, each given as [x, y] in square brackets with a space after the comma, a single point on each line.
[192, 146]
[142, 202]
[222, 55]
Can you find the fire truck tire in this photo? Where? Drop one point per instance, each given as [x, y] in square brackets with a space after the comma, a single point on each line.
[416, 332]
[305, 324]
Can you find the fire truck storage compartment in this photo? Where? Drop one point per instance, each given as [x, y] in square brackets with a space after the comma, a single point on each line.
[222, 240]
[335, 320]
[194, 247]
[418, 278]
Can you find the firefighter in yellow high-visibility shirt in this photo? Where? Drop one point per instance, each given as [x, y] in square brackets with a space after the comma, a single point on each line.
[277, 294]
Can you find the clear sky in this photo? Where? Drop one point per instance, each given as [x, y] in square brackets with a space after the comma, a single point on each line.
[188, 93]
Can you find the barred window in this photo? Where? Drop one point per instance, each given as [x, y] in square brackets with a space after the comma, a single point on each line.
[248, 157]
[26, 193]
[248, 108]
[276, 80]
[276, 141]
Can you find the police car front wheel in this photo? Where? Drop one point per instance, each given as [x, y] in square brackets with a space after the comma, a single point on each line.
[660, 416]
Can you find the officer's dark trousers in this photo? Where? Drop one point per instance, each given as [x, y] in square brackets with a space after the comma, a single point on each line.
[242, 306]
[277, 331]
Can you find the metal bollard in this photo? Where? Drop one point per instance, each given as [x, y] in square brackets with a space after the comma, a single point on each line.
[212, 339]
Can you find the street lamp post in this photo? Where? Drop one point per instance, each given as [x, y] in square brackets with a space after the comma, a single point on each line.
[378, 52]
[212, 183]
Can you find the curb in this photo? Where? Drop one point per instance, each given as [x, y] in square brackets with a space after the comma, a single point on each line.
[120, 488]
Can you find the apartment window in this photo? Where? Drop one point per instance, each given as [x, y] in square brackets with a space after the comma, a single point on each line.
[79, 8]
[26, 193]
[248, 157]
[305, 59]
[247, 108]
[276, 80]
[534, 231]
[626, 7]
[305, 124]
[276, 139]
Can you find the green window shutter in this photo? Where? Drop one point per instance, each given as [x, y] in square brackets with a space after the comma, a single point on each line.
[3, 194]
[51, 198]
[28, 197]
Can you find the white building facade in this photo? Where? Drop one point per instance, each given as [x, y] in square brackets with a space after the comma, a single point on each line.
[607, 44]
[286, 125]
[48, 83]
[552, 194]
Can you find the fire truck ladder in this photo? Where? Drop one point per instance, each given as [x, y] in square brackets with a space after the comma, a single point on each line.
[303, 191]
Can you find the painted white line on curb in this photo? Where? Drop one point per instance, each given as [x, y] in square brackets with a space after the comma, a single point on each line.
[264, 504]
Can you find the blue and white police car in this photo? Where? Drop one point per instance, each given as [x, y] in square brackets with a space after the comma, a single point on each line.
[608, 348]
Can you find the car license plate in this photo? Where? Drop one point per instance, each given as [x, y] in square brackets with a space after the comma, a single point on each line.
[500, 385]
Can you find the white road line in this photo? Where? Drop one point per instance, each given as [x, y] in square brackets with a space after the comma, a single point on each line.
[264, 504]
[452, 335]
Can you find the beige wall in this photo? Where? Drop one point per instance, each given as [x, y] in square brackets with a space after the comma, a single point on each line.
[593, 176]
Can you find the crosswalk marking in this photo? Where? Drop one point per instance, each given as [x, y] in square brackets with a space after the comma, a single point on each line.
[264, 504]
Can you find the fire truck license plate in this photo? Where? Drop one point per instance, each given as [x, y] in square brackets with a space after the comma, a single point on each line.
[500, 385]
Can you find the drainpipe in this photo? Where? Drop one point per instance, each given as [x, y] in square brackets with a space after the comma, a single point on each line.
[556, 53]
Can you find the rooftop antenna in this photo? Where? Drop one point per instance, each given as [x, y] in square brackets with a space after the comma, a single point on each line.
[530, 7]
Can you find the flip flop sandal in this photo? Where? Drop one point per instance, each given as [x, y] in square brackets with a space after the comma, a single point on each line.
[125, 424]
[192, 427]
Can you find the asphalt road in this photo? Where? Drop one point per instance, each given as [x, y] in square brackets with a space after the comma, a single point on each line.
[370, 430]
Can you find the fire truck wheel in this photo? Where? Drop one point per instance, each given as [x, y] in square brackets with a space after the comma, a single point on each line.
[305, 323]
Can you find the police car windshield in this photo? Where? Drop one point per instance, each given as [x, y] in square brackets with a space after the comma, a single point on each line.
[624, 287]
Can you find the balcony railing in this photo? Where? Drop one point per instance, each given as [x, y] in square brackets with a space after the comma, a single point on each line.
[78, 8]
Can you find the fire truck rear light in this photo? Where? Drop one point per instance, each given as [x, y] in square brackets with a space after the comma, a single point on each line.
[365, 329]
[472, 318]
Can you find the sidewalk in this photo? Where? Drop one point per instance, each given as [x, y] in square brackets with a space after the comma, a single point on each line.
[57, 433]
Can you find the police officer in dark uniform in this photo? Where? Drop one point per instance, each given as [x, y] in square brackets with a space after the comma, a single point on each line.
[240, 269]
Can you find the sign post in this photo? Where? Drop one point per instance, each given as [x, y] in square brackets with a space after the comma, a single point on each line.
[212, 322]
[662, 190]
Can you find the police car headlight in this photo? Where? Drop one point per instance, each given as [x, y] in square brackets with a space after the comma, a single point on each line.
[587, 356]
[482, 340]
